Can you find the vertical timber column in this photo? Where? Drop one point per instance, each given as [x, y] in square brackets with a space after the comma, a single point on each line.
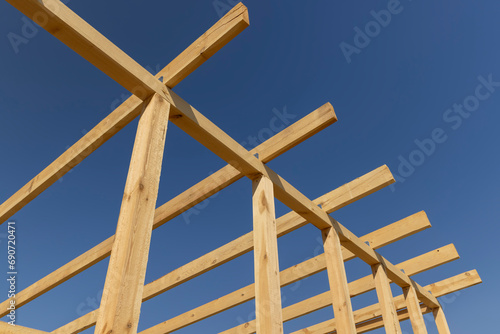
[385, 299]
[269, 319]
[342, 307]
[122, 296]
[441, 323]
[414, 310]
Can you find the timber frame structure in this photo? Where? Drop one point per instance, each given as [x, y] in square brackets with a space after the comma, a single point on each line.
[125, 289]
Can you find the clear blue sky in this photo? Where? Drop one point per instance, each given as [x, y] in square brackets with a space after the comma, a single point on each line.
[390, 93]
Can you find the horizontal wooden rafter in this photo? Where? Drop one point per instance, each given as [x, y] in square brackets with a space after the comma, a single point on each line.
[438, 289]
[381, 237]
[287, 138]
[195, 55]
[6, 328]
[412, 267]
[375, 323]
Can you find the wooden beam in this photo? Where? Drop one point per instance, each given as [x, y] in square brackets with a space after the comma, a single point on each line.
[267, 280]
[195, 55]
[6, 328]
[414, 310]
[384, 294]
[342, 307]
[395, 231]
[412, 267]
[287, 138]
[440, 319]
[78, 325]
[122, 296]
[351, 192]
[369, 313]
[376, 323]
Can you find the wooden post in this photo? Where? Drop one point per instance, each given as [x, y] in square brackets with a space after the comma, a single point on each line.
[267, 280]
[441, 323]
[339, 289]
[384, 294]
[122, 295]
[414, 310]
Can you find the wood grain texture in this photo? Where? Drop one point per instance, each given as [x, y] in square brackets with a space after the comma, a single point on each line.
[266, 262]
[414, 310]
[440, 319]
[339, 288]
[361, 186]
[6, 328]
[122, 296]
[385, 299]
[377, 323]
